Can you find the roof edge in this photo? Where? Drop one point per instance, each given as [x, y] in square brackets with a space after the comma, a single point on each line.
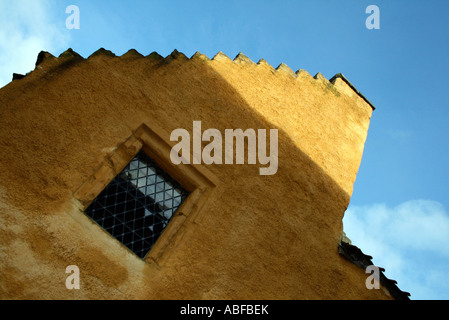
[356, 256]
[342, 77]
[239, 59]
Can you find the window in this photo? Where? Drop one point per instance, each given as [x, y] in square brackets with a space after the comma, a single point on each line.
[133, 209]
[138, 204]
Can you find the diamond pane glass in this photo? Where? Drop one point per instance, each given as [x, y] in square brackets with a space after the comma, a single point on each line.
[138, 204]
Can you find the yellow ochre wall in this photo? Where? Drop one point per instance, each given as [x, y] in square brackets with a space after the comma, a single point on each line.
[72, 123]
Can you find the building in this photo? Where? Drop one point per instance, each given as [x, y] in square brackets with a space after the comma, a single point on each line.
[73, 126]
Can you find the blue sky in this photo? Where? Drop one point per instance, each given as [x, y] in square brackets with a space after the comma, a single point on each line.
[399, 209]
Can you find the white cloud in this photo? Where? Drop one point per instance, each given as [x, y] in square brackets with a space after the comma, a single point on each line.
[411, 241]
[27, 27]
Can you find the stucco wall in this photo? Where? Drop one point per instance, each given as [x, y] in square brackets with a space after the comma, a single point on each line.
[254, 236]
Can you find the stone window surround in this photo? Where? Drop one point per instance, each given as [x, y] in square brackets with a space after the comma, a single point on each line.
[155, 142]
